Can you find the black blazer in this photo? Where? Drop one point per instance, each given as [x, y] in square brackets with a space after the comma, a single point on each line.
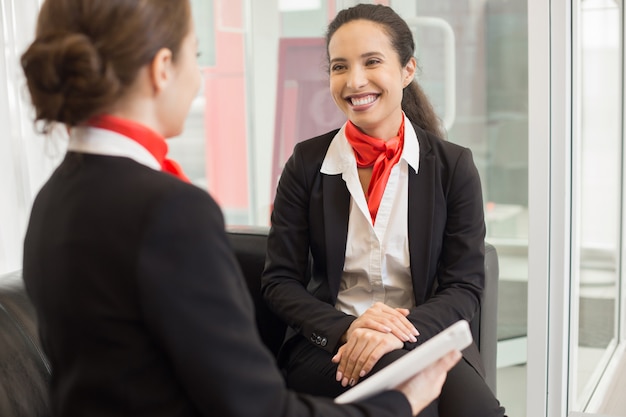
[446, 242]
[141, 305]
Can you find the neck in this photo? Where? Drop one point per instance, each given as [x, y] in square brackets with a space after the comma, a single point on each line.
[138, 105]
[380, 131]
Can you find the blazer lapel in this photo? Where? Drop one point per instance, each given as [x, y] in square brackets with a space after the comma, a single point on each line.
[421, 216]
[336, 213]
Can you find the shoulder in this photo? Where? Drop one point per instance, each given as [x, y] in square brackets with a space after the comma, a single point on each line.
[148, 181]
[430, 143]
[182, 199]
[447, 155]
[308, 155]
[316, 146]
[144, 190]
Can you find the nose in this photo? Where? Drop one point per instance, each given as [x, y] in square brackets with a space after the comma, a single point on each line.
[356, 78]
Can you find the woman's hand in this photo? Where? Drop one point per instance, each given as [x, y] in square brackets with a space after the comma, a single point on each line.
[385, 319]
[360, 353]
[424, 387]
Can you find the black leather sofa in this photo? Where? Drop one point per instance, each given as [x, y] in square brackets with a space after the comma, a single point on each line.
[25, 371]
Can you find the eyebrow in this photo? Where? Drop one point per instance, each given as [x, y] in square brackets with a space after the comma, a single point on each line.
[365, 55]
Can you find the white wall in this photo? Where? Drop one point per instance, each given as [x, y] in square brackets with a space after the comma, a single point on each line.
[26, 158]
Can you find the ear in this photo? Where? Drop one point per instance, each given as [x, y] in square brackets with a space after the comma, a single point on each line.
[161, 69]
[408, 72]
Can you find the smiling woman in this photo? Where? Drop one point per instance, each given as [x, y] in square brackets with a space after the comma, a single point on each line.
[386, 211]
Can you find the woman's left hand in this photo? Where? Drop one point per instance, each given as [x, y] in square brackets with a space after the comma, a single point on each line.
[386, 319]
[360, 353]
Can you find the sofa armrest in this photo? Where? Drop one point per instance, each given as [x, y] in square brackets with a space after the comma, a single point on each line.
[489, 317]
[24, 369]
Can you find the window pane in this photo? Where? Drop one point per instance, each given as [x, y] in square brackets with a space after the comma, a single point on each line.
[596, 229]
[491, 118]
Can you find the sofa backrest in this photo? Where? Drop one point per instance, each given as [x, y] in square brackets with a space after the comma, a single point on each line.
[249, 245]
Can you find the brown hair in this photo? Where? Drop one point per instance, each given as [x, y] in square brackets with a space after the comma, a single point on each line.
[415, 103]
[86, 53]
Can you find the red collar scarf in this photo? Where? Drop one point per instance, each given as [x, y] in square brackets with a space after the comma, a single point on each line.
[149, 139]
[380, 154]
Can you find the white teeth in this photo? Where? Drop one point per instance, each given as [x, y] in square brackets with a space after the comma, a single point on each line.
[363, 100]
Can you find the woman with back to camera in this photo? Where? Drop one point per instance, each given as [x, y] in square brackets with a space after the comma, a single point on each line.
[391, 217]
[141, 306]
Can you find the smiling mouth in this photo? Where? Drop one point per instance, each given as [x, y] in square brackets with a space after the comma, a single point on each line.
[362, 101]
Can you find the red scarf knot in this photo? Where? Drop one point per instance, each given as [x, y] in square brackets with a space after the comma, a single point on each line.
[379, 154]
[391, 147]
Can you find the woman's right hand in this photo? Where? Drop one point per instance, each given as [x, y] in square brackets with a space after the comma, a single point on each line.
[361, 352]
[386, 319]
[424, 387]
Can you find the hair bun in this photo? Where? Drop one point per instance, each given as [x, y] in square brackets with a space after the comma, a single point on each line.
[67, 78]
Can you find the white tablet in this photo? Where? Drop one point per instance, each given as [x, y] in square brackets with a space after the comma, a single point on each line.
[457, 336]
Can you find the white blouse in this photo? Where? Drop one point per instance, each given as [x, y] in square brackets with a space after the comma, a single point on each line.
[377, 262]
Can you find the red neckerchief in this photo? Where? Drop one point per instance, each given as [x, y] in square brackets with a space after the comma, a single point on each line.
[380, 154]
[148, 138]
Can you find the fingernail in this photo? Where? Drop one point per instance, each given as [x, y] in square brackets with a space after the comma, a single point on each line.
[362, 374]
[339, 376]
[387, 329]
[413, 339]
[344, 382]
[352, 382]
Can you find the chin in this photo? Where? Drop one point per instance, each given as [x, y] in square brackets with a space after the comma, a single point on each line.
[173, 133]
